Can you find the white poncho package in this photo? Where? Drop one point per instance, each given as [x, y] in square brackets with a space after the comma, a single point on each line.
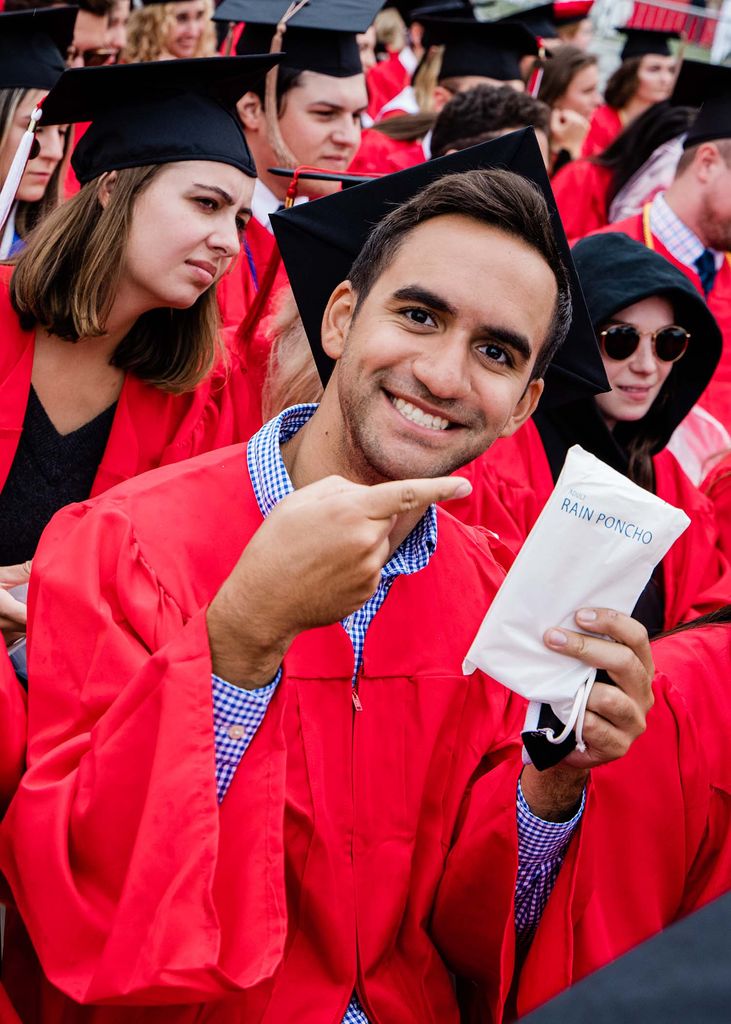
[594, 545]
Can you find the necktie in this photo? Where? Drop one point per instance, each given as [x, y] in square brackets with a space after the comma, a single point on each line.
[706, 266]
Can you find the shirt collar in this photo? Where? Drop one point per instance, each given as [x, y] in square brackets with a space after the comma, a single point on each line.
[271, 483]
[265, 203]
[676, 236]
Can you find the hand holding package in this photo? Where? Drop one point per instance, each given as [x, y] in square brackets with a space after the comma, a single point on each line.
[595, 544]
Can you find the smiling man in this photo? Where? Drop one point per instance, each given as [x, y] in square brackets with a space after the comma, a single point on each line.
[313, 119]
[251, 724]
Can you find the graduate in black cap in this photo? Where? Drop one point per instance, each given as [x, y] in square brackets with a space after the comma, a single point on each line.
[660, 346]
[109, 318]
[645, 76]
[33, 48]
[165, 31]
[308, 113]
[247, 655]
[463, 53]
[690, 223]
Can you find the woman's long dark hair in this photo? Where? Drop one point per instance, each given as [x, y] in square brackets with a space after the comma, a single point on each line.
[639, 140]
[721, 617]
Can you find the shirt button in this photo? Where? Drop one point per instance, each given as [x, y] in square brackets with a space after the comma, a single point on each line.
[236, 732]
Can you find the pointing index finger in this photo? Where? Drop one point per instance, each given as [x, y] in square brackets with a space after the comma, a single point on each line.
[399, 496]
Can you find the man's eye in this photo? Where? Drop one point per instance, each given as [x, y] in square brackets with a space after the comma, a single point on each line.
[496, 354]
[419, 316]
[210, 204]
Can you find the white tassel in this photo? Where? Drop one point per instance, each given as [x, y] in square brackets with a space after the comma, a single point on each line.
[17, 168]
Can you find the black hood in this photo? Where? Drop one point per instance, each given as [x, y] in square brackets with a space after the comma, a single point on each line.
[615, 272]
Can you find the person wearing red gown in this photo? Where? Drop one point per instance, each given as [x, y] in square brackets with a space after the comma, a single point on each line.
[694, 577]
[261, 829]
[474, 53]
[321, 94]
[387, 78]
[717, 487]
[645, 76]
[690, 223]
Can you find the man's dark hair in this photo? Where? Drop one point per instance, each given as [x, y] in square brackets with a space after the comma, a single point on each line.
[485, 112]
[500, 199]
[99, 8]
[287, 79]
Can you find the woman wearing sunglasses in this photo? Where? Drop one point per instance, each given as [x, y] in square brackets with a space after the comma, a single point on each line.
[32, 45]
[659, 345]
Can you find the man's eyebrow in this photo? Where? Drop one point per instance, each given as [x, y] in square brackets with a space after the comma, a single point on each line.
[228, 200]
[512, 339]
[415, 293]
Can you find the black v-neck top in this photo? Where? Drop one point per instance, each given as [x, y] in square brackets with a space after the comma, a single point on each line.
[49, 470]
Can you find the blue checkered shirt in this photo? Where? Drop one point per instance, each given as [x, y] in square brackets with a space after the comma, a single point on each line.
[238, 713]
[678, 239]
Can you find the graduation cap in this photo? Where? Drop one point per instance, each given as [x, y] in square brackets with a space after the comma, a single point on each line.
[538, 20]
[487, 49]
[677, 976]
[328, 234]
[320, 36]
[156, 113]
[643, 41]
[33, 46]
[707, 86]
[570, 12]
[444, 9]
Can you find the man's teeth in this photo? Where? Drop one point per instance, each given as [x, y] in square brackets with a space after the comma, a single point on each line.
[411, 412]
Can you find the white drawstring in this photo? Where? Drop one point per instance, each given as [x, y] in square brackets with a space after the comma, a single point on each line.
[17, 168]
[577, 716]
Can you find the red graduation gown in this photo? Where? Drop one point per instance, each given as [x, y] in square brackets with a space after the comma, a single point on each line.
[12, 733]
[580, 189]
[150, 428]
[696, 574]
[654, 834]
[384, 81]
[717, 486]
[378, 154]
[717, 396]
[604, 128]
[319, 870]
[246, 300]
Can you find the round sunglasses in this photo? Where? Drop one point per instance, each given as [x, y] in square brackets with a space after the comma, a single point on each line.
[620, 341]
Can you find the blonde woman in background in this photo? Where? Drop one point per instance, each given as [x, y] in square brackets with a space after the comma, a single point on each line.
[166, 31]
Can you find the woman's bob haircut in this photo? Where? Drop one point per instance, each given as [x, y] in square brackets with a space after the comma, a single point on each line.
[67, 277]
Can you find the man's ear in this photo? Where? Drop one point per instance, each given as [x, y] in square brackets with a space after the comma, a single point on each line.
[440, 98]
[251, 112]
[337, 319]
[525, 407]
[106, 187]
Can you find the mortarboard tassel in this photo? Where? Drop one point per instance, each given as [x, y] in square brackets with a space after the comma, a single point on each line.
[22, 154]
[281, 150]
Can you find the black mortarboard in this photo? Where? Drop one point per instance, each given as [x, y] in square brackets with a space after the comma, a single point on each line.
[709, 85]
[642, 41]
[33, 46]
[328, 234]
[538, 20]
[678, 976]
[615, 272]
[319, 37]
[487, 49]
[157, 113]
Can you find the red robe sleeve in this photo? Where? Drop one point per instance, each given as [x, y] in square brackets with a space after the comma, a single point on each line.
[717, 487]
[604, 128]
[378, 154]
[12, 730]
[696, 571]
[580, 189]
[111, 846]
[384, 81]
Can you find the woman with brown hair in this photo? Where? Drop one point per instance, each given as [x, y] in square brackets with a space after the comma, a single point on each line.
[164, 31]
[110, 361]
[570, 87]
[645, 76]
[32, 50]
